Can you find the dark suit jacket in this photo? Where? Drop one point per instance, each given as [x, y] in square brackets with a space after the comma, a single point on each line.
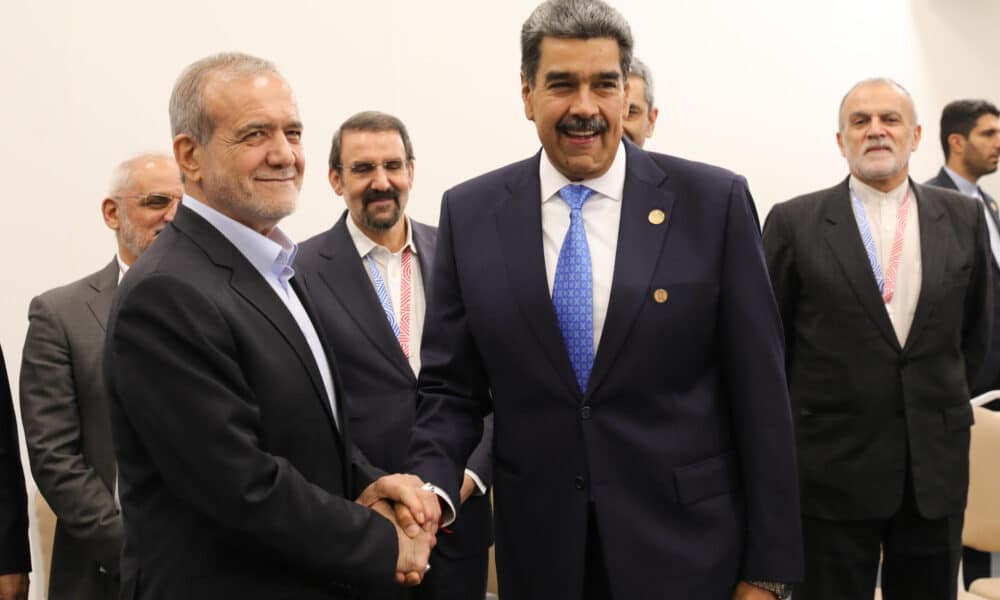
[379, 385]
[865, 407]
[380, 389]
[682, 442]
[989, 374]
[15, 556]
[234, 480]
[64, 408]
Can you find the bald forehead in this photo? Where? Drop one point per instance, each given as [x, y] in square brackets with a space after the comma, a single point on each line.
[877, 96]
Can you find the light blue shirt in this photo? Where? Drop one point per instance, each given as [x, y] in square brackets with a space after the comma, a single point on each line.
[970, 189]
[272, 256]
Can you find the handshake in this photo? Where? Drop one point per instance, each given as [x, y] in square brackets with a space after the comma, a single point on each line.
[415, 512]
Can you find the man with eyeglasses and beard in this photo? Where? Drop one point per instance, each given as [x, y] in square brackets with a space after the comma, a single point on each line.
[63, 399]
[368, 275]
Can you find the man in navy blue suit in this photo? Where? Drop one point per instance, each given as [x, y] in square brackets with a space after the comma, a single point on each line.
[613, 309]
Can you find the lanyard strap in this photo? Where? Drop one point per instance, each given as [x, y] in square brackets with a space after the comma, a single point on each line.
[383, 294]
[400, 328]
[886, 285]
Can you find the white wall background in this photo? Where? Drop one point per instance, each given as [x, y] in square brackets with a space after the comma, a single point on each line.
[753, 86]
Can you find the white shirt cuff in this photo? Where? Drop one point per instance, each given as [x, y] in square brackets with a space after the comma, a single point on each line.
[480, 487]
[448, 514]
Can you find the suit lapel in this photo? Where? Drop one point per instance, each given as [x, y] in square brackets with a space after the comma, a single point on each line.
[104, 283]
[248, 283]
[345, 277]
[933, 245]
[519, 229]
[640, 245]
[841, 234]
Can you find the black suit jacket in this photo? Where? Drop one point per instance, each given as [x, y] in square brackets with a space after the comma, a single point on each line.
[380, 388]
[234, 480]
[989, 375]
[865, 407]
[15, 556]
[682, 442]
[64, 408]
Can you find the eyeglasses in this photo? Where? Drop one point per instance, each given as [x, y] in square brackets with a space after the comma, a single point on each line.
[363, 169]
[154, 201]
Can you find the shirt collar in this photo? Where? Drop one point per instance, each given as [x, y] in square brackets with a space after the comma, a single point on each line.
[365, 244]
[964, 185]
[122, 267]
[867, 193]
[271, 255]
[610, 184]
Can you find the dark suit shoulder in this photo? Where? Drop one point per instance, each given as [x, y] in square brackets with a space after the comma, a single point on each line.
[957, 203]
[497, 179]
[674, 166]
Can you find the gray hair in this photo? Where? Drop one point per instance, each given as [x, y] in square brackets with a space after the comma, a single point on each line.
[122, 174]
[641, 70]
[369, 120]
[876, 81]
[187, 101]
[572, 19]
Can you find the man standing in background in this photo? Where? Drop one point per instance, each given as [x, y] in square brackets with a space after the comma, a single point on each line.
[640, 120]
[368, 276]
[884, 290]
[63, 399]
[15, 555]
[970, 139]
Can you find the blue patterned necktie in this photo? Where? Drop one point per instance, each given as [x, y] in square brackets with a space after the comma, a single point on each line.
[572, 293]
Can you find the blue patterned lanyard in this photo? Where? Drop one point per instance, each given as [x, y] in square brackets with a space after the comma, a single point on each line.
[867, 240]
[383, 294]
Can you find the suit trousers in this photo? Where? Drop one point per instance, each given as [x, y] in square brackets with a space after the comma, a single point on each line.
[920, 556]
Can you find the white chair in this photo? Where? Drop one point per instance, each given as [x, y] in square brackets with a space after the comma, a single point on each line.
[982, 514]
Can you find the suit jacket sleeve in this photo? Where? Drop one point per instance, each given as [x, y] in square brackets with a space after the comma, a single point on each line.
[977, 325]
[453, 388]
[85, 506]
[751, 342]
[15, 556]
[481, 461]
[200, 427]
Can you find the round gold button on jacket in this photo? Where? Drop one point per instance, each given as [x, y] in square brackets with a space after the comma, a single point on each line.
[657, 216]
[660, 295]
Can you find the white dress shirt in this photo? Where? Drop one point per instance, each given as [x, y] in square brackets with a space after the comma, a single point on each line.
[881, 210]
[602, 214]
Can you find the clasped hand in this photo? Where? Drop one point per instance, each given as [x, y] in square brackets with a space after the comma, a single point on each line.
[415, 513]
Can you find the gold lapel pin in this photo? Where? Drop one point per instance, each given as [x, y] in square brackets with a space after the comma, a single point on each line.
[993, 206]
[657, 216]
[660, 295]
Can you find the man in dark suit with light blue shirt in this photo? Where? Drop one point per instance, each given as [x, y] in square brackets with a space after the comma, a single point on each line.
[612, 308]
[368, 276]
[970, 139]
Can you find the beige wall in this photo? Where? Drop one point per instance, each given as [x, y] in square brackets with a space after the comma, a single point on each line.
[753, 86]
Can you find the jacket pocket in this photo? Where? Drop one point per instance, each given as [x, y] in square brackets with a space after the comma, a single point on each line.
[706, 478]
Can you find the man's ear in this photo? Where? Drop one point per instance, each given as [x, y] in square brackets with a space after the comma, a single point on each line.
[526, 93]
[188, 153]
[336, 181]
[109, 210]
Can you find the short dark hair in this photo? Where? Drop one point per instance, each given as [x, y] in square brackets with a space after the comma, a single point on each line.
[960, 117]
[573, 19]
[369, 120]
